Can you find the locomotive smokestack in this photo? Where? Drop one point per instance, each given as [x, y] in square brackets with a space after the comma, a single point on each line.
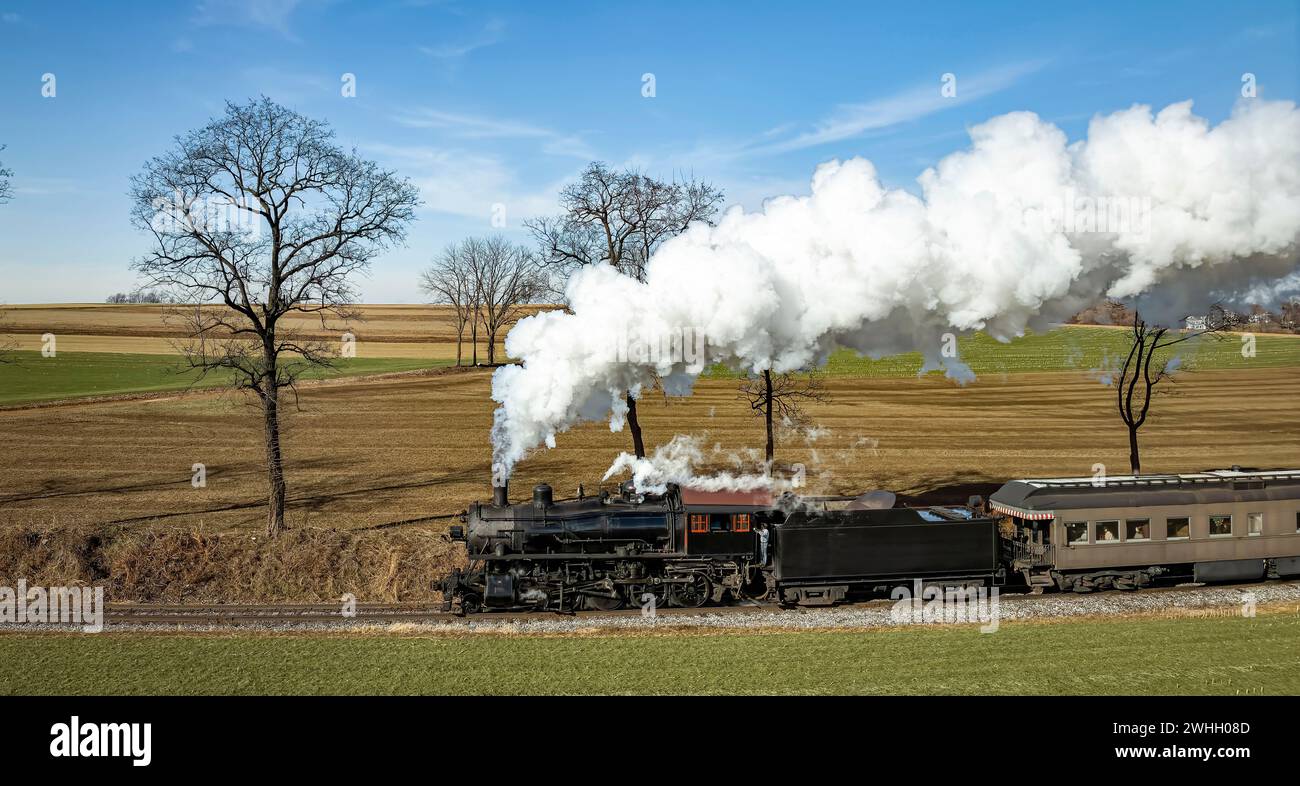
[501, 494]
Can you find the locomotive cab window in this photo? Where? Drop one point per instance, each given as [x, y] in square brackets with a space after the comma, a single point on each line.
[1254, 523]
[699, 522]
[1108, 532]
[1221, 526]
[1137, 529]
[719, 522]
[740, 522]
[1179, 528]
[1076, 532]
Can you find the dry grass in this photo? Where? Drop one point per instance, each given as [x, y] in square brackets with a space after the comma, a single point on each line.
[412, 324]
[168, 565]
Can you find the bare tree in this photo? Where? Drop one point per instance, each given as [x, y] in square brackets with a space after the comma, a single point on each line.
[506, 278]
[1143, 371]
[257, 216]
[450, 280]
[619, 218]
[6, 187]
[781, 395]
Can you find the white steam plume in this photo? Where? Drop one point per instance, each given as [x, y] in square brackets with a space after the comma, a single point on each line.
[1020, 230]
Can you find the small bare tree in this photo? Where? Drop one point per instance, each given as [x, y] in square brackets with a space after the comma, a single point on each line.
[782, 395]
[450, 280]
[6, 187]
[255, 217]
[506, 278]
[1143, 370]
[619, 218]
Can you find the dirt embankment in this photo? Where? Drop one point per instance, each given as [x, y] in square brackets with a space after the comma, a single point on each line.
[175, 566]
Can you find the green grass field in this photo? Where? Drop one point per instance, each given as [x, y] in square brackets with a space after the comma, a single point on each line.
[1229, 655]
[79, 374]
[1075, 348]
[33, 378]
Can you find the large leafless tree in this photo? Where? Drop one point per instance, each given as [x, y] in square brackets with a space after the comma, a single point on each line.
[619, 218]
[781, 395]
[259, 216]
[1149, 362]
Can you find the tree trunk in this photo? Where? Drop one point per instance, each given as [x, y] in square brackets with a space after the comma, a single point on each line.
[632, 423]
[460, 339]
[474, 335]
[274, 464]
[1134, 463]
[767, 413]
[492, 347]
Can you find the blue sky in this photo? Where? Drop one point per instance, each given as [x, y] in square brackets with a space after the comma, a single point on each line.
[502, 103]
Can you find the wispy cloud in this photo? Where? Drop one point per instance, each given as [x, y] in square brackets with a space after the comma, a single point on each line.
[492, 33]
[10, 18]
[465, 126]
[852, 120]
[273, 15]
[466, 183]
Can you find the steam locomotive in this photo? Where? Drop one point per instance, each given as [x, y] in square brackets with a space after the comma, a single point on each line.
[688, 548]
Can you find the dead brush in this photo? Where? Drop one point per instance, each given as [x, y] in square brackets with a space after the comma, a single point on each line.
[308, 565]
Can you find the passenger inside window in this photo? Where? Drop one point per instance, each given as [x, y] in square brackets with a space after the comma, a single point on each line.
[1137, 529]
[1107, 531]
[1178, 528]
[1076, 532]
[1220, 526]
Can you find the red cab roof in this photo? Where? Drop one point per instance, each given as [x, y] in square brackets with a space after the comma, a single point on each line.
[760, 498]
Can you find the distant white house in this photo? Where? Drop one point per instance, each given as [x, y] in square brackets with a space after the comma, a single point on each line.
[1196, 323]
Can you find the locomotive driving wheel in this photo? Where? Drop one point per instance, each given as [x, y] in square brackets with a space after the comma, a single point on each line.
[599, 603]
[694, 592]
[636, 594]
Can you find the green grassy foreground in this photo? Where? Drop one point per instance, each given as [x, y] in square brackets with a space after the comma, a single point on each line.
[1132, 656]
[34, 378]
[1073, 348]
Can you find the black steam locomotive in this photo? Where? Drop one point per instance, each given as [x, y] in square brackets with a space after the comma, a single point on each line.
[686, 548]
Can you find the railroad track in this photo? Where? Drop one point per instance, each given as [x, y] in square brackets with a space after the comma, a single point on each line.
[222, 614]
[199, 615]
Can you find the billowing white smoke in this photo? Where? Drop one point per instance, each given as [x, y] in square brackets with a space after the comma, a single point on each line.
[677, 462]
[1020, 230]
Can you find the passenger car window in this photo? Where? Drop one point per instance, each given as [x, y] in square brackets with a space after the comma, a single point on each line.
[1076, 532]
[1255, 523]
[1179, 528]
[1137, 529]
[1220, 526]
[1108, 532]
